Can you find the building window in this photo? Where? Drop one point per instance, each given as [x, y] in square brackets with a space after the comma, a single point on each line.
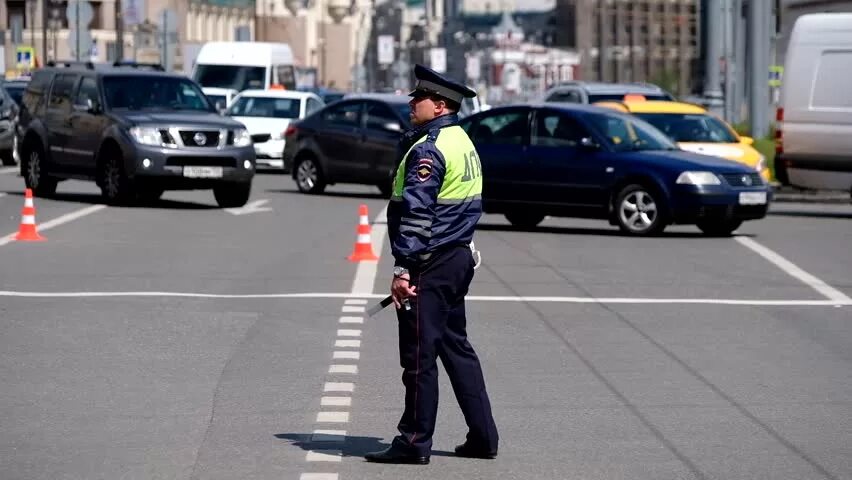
[97, 16]
[16, 17]
[61, 7]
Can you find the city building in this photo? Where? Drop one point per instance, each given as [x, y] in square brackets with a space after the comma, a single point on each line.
[328, 37]
[33, 34]
[633, 40]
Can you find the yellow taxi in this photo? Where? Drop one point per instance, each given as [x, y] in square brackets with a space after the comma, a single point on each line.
[695, 130]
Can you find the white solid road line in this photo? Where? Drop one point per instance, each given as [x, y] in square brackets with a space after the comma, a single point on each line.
[794, 271]
[8, 170]
[61, 220]
[249, 208]
[472, 298]
[365, 275]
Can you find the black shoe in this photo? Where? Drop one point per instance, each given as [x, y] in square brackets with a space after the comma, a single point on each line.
[395, 455]
[470, 451]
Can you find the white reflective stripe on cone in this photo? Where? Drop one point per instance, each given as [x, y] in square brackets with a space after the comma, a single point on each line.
[28, 202]
[363, 220]
[364, 238]
[28, 220]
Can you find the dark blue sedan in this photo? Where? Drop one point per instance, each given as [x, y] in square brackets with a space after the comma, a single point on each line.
[590, 162]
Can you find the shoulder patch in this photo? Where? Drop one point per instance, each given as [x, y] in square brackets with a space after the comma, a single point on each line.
[423, 169]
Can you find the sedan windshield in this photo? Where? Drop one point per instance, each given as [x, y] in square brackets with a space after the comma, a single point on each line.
[630, 134]
[270, 107]
[154, 93]
[690, 128]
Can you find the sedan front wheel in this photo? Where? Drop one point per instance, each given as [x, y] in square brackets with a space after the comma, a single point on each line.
[640, 210]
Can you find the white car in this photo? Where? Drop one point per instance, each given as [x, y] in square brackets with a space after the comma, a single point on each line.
[267, 114]
[220, 97]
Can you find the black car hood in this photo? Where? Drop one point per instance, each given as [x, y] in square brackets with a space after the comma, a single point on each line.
[683, 160]
[213, 120]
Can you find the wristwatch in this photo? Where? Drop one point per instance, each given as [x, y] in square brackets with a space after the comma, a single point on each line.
[399, 271]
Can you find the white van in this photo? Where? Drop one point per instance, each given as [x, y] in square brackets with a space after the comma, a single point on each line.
[245, 65]
[814, 135]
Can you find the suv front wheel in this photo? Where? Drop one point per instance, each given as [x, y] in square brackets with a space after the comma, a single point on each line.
[116, 188]
[232, 195]
[35, 173]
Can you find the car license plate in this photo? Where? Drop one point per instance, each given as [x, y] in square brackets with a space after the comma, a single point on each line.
[752, 198]
[202, 172]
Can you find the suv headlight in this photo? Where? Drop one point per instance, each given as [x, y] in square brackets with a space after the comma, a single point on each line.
[242, 138]
[698, 178]
[147, 135]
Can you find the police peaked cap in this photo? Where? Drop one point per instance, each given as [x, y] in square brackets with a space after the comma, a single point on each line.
[430, 82]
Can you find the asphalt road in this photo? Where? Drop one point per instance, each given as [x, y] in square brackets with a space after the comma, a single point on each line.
[182, 341]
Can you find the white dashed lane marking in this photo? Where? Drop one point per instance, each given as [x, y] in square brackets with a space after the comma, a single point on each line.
[318, 476]
[324, 456]
[336, 401]
[349, 333]
[333, 417]
[361, 287]
[351, 319]
[339, 387]
[353, 369]
[345, 355]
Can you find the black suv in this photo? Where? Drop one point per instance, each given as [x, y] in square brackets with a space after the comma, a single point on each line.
[133, 129]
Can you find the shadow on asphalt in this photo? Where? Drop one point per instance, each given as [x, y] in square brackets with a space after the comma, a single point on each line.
[377, 195]
[810, 214]
[604, 232]
[351, 447]
[95, 199]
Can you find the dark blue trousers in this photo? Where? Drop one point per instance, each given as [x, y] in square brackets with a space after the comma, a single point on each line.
[435, 327]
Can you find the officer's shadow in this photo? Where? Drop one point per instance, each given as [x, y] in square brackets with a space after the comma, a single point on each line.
[350, 447]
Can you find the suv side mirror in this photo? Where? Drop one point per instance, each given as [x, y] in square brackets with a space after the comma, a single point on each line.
[89, 107]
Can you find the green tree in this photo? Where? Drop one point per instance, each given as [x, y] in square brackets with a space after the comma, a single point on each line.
[668, 80]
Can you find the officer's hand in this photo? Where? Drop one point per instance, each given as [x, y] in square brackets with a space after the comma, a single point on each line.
[401, 289]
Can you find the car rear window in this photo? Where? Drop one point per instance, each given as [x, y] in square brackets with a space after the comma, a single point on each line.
[269, 107]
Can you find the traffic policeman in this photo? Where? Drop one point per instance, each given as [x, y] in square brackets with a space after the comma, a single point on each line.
[434, 208]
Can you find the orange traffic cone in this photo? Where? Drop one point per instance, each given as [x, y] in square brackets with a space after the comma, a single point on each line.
[27, 230]
[364, 245]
